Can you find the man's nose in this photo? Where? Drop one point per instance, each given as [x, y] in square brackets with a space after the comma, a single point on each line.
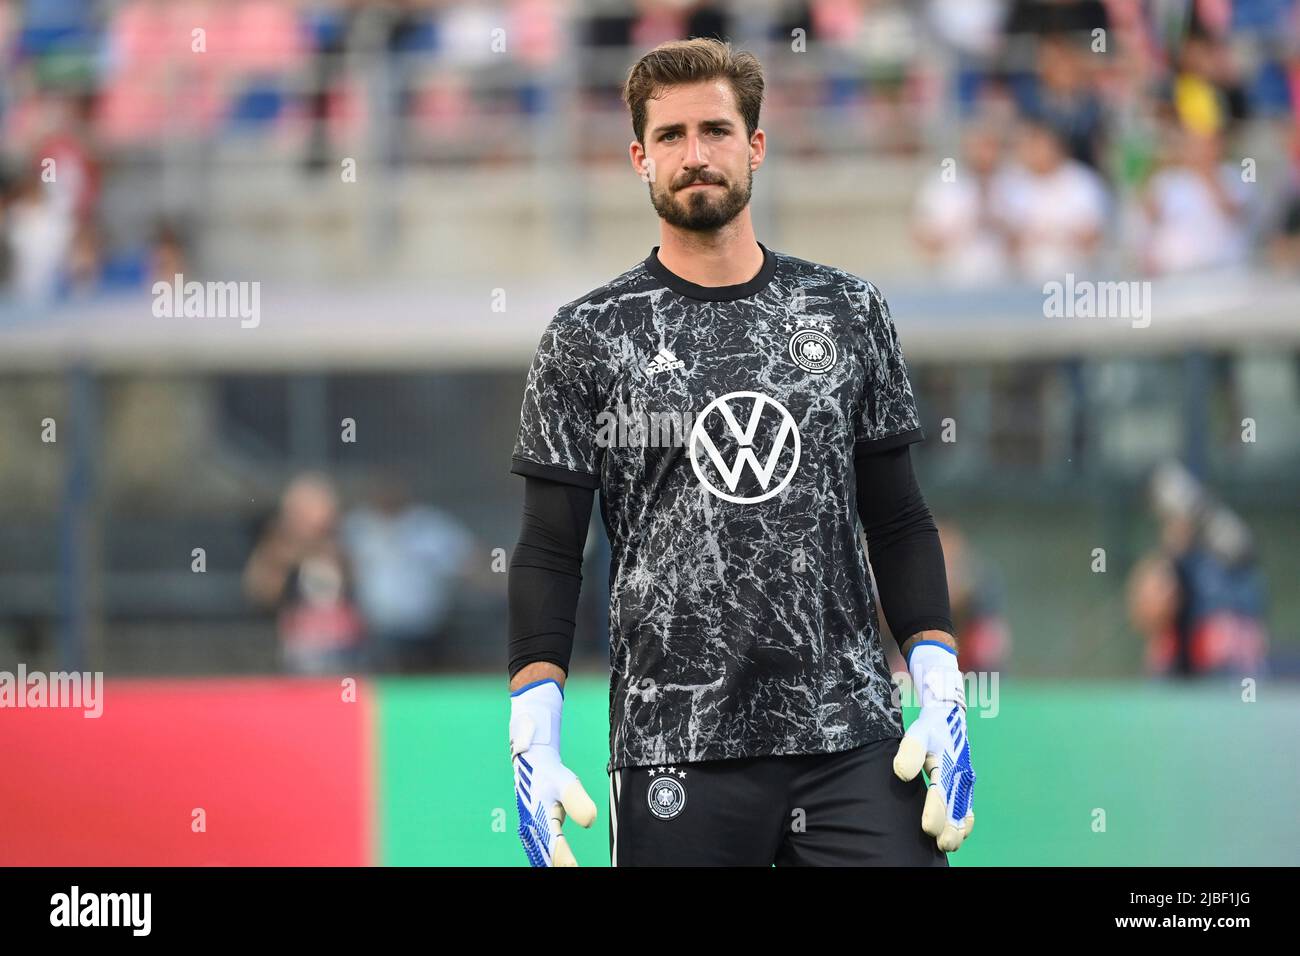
[696, 154]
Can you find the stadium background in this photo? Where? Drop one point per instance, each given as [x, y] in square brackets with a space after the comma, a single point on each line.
[491, 185]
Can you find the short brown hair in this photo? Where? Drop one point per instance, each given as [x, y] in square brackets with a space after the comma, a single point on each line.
[694, 61]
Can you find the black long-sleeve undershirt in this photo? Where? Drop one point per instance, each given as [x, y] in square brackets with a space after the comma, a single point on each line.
[902, 544]
[546, 566]
[546, 572]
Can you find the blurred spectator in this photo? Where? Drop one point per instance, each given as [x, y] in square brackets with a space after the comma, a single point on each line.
[972, 27]
[974, 595]
[1199, 600]
[38, 230]
[1205, 91]
[1284, 247]
[409, 560]
[1053, 207]
[94, 269]
[167, 258]
[299, 569]
[1284, 243]
[643, 24]
[660, 20]
[63, 147]
[84, 266]
[978, 616]
[1195, 207]
[1065, 97]
[956, 224]
[1056, 16]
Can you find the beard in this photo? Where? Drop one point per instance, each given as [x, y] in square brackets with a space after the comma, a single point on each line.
[702, 210]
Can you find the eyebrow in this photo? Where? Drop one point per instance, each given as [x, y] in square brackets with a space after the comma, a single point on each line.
[681, 127]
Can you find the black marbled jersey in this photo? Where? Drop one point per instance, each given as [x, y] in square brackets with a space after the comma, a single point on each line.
[720, 425]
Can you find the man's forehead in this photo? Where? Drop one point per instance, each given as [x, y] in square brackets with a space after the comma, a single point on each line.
[694, 102]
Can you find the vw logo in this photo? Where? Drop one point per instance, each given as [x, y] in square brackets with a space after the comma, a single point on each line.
[787, 434]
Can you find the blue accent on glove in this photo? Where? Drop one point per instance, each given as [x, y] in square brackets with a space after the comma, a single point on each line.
[932, 644]
[538, 683]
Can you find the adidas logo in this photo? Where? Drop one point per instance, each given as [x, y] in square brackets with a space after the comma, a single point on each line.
[665, 361]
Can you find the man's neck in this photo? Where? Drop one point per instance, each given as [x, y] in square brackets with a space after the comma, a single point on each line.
[730, 256]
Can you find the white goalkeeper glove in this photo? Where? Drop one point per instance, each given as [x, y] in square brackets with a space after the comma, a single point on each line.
[545, 789]
[937, 741]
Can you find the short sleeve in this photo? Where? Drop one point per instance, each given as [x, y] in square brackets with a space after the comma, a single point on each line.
[886, 414]
[557, 420]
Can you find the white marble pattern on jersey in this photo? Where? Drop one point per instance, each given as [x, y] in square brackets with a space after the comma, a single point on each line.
[722, 644]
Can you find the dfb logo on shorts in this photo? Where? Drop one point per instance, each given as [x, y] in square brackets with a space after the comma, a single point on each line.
[812, 350]
[666, 796]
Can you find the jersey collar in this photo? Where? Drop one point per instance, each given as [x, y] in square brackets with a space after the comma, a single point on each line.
[713, 293]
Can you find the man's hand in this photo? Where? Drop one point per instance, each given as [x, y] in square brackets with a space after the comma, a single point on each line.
[545, 789]
[937, 741]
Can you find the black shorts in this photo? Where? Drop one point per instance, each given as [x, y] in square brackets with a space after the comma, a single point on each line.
[838, 809]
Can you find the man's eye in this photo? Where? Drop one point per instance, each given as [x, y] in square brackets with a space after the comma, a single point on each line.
[666, 136]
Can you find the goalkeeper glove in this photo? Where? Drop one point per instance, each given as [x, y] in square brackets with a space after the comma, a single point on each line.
[937, 741]
[545, 789]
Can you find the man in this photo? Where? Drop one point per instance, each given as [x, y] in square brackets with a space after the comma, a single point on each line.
[1052, 207]
[734, 406]
[410, 562]
[955, 223]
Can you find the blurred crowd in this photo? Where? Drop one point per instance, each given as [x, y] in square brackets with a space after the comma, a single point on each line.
[1199, 598]
[1084, 126]
[1121, 137]
[372, 588]
[1152, 137]
[978, 604]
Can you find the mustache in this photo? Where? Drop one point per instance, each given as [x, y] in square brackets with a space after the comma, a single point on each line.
[696, 179]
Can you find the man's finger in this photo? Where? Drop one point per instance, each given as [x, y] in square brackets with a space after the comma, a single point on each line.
[931, 764]
[935, 814]
[953, 837]
[561, 854]
[578, 805]
[950, 839]
[910, 757]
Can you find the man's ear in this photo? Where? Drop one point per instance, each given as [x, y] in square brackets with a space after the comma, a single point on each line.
[757, 148]
[645, 167]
